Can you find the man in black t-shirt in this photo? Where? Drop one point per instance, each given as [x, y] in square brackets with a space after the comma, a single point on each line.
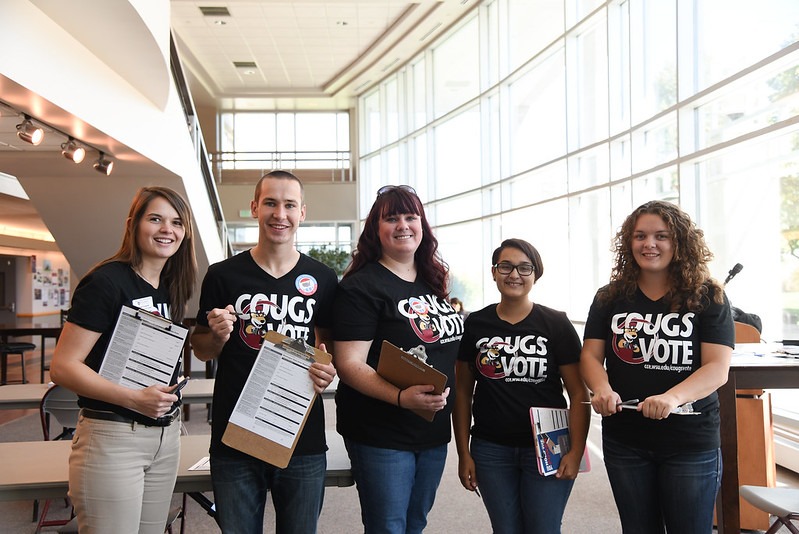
[270, 287]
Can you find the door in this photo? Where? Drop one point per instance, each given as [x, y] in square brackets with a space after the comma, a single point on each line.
[8, 289]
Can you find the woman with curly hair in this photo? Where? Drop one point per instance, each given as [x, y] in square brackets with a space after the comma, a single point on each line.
[657, 346]
[395, 289]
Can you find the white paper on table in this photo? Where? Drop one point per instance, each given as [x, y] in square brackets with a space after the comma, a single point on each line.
[144, 349]
[277, 395]
[203, 464]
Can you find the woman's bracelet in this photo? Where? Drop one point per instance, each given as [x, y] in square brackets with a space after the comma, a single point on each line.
[399, 394]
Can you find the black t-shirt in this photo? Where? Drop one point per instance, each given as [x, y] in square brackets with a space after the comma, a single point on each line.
[516, 366]
[375, 304]
[648, 350]
[304, 299]
[96, 304]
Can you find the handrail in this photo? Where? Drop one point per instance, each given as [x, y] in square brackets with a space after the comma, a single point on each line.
[195, 131]
[338, 161]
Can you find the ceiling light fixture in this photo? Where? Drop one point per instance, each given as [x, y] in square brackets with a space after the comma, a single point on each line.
[72, 151]
[29, 132]
[103, 165]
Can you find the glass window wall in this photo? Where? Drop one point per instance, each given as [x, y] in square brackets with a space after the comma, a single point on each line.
[587, 109]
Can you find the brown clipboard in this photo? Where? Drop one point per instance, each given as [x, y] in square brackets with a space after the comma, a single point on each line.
[254, 444]
[404, 370]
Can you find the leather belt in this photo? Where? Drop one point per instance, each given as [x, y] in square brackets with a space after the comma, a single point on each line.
[164, 420]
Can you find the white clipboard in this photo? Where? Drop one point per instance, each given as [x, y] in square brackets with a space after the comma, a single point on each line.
[144, 349]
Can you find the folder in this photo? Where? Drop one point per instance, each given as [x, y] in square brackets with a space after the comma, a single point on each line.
[404, 370]
[273, 406]
[552, 440]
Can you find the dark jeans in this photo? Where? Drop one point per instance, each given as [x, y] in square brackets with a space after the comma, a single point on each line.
[240, 488]
[663, 492]
[517, 498]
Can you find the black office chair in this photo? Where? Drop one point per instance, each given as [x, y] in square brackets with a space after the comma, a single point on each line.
[782, 503]
[60, 404]
[13, 348]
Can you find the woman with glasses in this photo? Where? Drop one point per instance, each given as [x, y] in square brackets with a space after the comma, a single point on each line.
[514, 355]
[659, 339]
[126, 447]
[395, 289]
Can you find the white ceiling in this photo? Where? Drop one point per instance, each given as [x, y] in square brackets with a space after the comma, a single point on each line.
[308, 55]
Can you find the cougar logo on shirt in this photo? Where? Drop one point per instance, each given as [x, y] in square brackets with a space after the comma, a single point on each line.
[488, 363]
[261, 313]
[659, 342]
[514, 359]
[430, 318]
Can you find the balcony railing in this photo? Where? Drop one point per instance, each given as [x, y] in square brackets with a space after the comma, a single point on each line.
[326, 165]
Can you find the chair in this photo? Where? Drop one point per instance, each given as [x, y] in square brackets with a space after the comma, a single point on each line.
[746, 333]
[60, 404]
[783, 503]
[13, 348]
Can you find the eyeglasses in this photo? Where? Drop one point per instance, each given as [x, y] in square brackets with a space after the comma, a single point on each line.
[524, 269]
[387, 188]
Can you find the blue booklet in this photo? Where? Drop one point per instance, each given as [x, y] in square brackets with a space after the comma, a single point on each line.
[551, 436]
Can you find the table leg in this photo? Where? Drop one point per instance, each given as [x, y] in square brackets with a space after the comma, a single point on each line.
[3, 363]
[44, 342]
[728, 513]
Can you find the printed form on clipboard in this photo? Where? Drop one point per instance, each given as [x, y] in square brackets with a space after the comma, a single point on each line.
[144, 349]
[551, 439]
[273, 406]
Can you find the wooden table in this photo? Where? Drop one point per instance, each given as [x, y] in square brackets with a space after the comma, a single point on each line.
[746, 372]
[40, 470]
[44, 328]
[28, 396]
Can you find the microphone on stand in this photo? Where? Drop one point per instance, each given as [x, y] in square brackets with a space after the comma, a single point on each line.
[737, 268]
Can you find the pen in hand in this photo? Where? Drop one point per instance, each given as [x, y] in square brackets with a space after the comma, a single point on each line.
[239, 315]
[632, 403]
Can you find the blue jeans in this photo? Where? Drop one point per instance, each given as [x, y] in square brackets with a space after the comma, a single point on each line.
[241, 484]
[396, 488]
[663, 492]
[517, 498]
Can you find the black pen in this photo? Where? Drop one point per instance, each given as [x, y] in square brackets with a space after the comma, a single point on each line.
[477, 491]
[239, 315]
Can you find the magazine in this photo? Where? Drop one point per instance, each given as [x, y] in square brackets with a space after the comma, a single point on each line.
[551, 436]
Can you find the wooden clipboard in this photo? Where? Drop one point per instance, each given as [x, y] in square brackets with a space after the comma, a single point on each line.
[255, 444]
[404, 370]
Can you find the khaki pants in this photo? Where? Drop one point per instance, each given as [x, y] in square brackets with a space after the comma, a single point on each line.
[122, 475]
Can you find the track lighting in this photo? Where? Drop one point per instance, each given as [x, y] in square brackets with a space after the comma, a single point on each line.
[29, 133]
[104, 165]
[72, 151]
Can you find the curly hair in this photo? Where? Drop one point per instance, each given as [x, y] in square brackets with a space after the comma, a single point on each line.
[688, 274]
[429, 265]
[179, 274]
